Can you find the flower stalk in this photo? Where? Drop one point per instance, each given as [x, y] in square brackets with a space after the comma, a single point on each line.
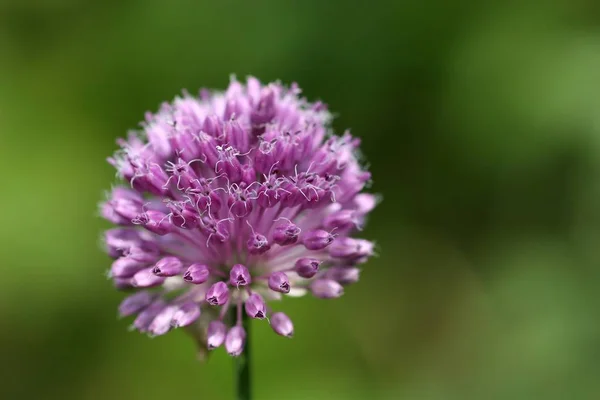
[242, 366]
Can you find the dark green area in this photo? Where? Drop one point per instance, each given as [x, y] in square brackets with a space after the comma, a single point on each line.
[243, 364]
[481, 123]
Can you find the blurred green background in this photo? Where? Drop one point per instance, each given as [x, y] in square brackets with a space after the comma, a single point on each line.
[481, 123]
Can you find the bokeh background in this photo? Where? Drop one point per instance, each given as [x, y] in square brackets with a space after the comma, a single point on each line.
[481, 123]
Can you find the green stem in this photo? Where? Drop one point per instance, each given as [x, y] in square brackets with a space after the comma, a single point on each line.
[242, 365]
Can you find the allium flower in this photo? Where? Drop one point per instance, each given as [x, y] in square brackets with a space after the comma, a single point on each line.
[230, 200]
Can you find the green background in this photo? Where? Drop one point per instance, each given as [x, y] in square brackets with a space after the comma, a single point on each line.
[481, 124]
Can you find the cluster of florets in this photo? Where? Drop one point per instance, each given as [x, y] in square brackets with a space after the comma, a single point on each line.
[232, 199]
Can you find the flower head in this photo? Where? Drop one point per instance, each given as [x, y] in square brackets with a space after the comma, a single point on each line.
[231, 200]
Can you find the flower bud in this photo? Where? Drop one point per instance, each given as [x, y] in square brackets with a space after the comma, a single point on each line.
[326, 289]
[286, 234]
[135, 303]
[365, 202]
[238, 136]
[217, 294]
[127, 208]
[146, 278]
[239, 205]
[144, 318]
[342, 219]
[235, 340]
[255, 306]
[123, 206]
[168, 266]
[185, 314]
[228, 163]
[143, 252]
[120, 239]
[155, 221]
[161, 324]
[343, 275]
[125, 267]
[257, 244]
[107, 211]
[213, 127]
[264, 111]
[183, 215]
[248, 174]
[282, 325]
[351, 249]
[197, 274]
[307, 267]
[279, 282]
[215, 335]
[239, 276]
[207, 144]
[184, 175]
[155, 179]
[318, 239]
[122, 283]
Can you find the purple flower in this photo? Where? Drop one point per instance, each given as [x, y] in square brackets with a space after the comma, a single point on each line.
[168, 266]
[196, 273]
[239, 276]
[229, 200]
[326, 288]
[255, 306]
[286, 234]
[186, 314]
[307, 267]
[282, 325]
[279, 282]
[343, 275]
[235, 341]
[217, 294]
[215, 334]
